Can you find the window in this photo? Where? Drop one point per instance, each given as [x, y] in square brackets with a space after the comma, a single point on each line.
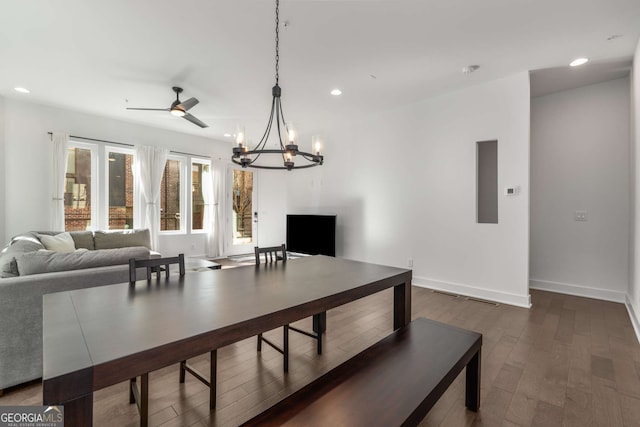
[120, 189]
[170, 196]
[200, 171]
[242, 200]
[79, 194]
[101, 193]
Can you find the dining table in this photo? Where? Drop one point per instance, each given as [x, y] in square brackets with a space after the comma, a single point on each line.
[99, 336]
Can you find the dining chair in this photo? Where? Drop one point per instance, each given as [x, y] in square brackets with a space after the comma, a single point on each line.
[141, 396]
[273, 254]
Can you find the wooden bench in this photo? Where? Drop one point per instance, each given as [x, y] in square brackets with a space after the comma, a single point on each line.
[395, 382]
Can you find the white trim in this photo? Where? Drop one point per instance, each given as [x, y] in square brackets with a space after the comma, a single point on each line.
[632, 315]
[473, 291]
[578, 290]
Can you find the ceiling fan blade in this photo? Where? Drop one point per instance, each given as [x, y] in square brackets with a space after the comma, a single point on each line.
[195, 120]
[149, 109]
[189, 103]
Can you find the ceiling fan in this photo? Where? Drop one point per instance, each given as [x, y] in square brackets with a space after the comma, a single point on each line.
[179, 108]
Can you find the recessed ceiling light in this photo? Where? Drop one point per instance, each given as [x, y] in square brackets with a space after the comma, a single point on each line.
[21, 90]
[578, 62]
[228, 135]
[336, 92]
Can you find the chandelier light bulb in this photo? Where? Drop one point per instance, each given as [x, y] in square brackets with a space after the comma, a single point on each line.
[240, 137]
[316, 145]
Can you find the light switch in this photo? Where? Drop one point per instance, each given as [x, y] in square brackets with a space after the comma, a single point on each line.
[580, 216]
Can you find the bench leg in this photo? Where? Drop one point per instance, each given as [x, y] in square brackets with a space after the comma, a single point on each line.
[472, 393]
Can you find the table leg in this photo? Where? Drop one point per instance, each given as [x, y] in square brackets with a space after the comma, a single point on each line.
[319, 327]
[77, 412]
[213, 378]
[401, 305]
[472, 392]
[320, 322]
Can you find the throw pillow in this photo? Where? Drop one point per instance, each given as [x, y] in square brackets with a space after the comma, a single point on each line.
[20, 244]
[62, 242]
[122, 239]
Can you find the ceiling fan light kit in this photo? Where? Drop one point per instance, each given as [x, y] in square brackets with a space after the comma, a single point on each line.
[246, 157]
[179, 109]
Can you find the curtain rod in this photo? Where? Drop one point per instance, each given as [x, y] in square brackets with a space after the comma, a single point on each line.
[127, 145]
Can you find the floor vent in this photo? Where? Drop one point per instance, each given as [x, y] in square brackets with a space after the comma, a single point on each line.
[495, 304]
[445, 293]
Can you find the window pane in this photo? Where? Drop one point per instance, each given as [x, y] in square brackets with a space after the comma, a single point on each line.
[242, 207]
[197, 196]
[77, 194]
[120, 191]
[170, 197]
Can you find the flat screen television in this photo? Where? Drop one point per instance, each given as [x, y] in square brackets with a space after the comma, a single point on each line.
[312, 234]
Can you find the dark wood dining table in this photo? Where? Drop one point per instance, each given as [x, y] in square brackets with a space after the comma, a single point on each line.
[96, 337]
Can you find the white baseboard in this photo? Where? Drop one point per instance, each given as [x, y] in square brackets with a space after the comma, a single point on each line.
[578, 290]
[472, 291]
[633, 317]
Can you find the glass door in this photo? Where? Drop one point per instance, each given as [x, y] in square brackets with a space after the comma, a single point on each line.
[243, 215]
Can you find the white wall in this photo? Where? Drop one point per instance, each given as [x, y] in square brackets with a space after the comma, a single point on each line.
[580, 162]
[633, 298]
[28, 164]
[403, 184]
[2, 174]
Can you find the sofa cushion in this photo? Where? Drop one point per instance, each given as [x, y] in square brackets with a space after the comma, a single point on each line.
[83, 239]
[122, 239]
[62, 242]
[49, 261]
[19, 245]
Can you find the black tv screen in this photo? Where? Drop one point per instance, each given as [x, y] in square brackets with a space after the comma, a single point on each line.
[312, 234]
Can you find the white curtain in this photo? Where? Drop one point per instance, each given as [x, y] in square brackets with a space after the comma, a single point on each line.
[213, 184]
[150, 163]
[60, 143]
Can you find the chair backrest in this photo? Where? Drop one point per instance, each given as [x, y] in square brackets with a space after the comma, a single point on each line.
[271, 254]
[155, 264]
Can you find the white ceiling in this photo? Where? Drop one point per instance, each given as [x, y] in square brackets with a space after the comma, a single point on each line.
[92, 56]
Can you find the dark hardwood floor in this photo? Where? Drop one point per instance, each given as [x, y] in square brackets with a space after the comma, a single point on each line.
[567, 361]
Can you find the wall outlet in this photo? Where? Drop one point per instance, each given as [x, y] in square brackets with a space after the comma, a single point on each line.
[193, 246]
[410, 263]
[580, 216]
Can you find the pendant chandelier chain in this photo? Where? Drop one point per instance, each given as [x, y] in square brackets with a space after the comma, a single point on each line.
[277, 40]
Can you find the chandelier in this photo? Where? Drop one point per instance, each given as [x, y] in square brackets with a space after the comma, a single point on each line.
[246, 157]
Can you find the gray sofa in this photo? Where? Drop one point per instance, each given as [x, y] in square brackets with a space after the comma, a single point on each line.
[29, 271]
